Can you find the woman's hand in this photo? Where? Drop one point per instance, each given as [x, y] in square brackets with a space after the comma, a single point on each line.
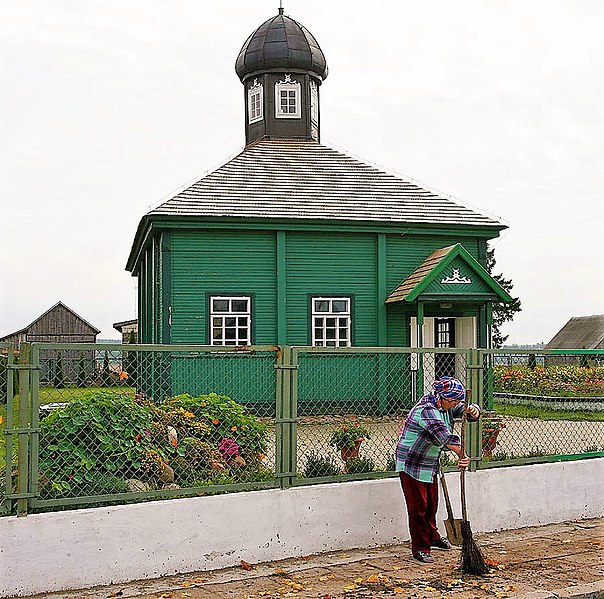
[473, 411]
[463, 462]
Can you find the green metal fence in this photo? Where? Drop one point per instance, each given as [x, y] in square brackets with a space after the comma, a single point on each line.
[94, 424]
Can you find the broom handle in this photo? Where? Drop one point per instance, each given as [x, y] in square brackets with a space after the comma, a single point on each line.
[446, 494]
[464, 509]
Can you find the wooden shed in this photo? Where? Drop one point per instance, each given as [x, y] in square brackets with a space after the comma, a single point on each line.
[292, 242]
[580, 332]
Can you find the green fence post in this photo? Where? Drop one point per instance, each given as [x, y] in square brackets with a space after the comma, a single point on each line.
[23, 431]
[473, 435]
[35, 421]
[10, 388]
[285, 420]
[382, 386]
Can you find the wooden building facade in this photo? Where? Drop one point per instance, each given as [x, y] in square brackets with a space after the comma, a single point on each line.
[294, 243]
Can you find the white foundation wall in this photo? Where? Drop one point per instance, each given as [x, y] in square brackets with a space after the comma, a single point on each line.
[83, 548]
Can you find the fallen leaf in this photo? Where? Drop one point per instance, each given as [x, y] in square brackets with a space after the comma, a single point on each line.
[187, 584]
[357, 580]
[246, 566]
[198, 579]
[397, 567]
[327, 596]
[373, 578]
[491, 562]
[166, 595]
[509, 588]
[343, 555]
[323, 578]
[429, 589]
[567, 541]
[399, 590]
[350, 587]
[501, 567]
[185, 594]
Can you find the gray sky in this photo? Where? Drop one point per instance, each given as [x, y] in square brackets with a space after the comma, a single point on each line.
[109, 107]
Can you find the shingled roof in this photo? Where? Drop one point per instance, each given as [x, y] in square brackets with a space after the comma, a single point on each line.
[291, 179]
[580, 332]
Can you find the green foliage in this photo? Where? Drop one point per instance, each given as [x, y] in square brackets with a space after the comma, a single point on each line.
[101, 436]
[130, 361]
[105, 372]
[99, 441]
[359, 465]
[318, 465]
[81, 379]
[58, 375]
[564, 380]
[345, 436]
[502, 312]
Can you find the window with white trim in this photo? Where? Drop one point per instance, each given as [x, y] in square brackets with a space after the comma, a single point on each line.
[230, 320]
[287, 99]
[255, 96]
[331, 324]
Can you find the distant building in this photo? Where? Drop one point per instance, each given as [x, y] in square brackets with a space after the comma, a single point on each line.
[126, 328]
[58, 324]
[580, 332]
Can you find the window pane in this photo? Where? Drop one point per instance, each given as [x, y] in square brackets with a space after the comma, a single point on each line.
[242, 332]
[220, 305]
[229, 333]
[239, 305]
[331, 333]
[330, 322]
[330, 343]
[216, 333]
[216, 322]
[321, 305]
[339, 306]
[230, 342]
[318, 333]
[242, 321]
[343, 333]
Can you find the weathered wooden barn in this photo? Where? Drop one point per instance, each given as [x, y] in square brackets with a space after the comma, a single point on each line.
[59, 324]
[292, 242]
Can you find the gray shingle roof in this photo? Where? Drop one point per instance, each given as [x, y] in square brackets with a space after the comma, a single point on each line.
[580, 332]
[290, 179]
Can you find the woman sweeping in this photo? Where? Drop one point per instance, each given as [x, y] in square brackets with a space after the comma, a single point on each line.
[427, 431]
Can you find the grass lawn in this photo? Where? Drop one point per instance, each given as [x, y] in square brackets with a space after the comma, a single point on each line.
[544, 414]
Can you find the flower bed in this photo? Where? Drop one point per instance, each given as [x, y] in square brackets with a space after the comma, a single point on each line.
[564, 380]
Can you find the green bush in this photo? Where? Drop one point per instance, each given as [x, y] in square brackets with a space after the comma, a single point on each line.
[99, 441]
[359, 465]
[318, 465]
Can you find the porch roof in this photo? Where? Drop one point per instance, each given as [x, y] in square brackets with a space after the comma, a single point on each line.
[449, 271]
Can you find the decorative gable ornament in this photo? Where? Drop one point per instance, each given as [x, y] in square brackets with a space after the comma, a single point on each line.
[455, 278]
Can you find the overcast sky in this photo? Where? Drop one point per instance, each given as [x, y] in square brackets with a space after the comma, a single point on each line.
[109, 107]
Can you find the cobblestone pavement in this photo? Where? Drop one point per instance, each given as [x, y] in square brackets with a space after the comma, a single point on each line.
[557, 560]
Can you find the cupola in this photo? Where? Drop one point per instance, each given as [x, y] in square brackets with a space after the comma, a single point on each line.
[281, 66]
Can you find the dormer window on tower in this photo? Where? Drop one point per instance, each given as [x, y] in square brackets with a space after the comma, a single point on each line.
[287, 99]
[255, 101]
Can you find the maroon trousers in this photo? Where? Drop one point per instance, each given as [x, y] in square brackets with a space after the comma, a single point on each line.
[422, 503]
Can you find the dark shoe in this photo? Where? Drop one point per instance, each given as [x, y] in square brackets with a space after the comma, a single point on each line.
[424, 557]
[443, 544]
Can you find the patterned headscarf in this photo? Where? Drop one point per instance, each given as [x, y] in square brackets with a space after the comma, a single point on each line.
[449, 388]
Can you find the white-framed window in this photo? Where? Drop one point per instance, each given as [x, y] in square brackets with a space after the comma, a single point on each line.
[287, 99]
[230, 320]
[255, 101]
[331, 321]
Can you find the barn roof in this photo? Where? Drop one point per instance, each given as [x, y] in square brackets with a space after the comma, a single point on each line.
[580, 332]
[296, 179]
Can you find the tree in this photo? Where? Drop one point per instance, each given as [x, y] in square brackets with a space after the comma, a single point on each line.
[502, 312]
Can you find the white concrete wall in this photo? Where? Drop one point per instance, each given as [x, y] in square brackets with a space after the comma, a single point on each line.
[82, 548]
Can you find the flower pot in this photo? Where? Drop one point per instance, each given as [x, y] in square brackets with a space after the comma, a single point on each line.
[348, 453]
[489, 441]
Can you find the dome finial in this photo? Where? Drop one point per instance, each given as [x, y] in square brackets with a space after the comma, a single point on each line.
[281, 9]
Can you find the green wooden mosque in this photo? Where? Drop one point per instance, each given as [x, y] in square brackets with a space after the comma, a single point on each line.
[293, 243]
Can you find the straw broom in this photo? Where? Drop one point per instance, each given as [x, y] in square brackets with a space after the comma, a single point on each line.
[472, 560]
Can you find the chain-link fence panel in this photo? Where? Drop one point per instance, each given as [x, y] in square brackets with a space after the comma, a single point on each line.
[134, 421]
[540, 404]
[8, 445]
[351, 404]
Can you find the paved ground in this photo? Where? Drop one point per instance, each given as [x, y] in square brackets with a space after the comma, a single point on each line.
[561, 560]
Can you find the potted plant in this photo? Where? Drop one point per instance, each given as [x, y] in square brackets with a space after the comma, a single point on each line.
[491, 427]
[348, 439]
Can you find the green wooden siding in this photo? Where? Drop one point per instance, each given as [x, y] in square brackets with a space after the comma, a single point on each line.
[222, 263]
[331, 265]
[476, 286]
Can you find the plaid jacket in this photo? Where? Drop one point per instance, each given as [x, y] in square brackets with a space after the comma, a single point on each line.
[427, 429]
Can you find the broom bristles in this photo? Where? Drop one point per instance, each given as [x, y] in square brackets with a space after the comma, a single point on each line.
[472, 560]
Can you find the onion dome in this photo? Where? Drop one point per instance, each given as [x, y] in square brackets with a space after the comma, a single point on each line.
[281, 44]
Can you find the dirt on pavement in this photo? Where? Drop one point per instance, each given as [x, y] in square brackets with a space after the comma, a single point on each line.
[523, 562]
